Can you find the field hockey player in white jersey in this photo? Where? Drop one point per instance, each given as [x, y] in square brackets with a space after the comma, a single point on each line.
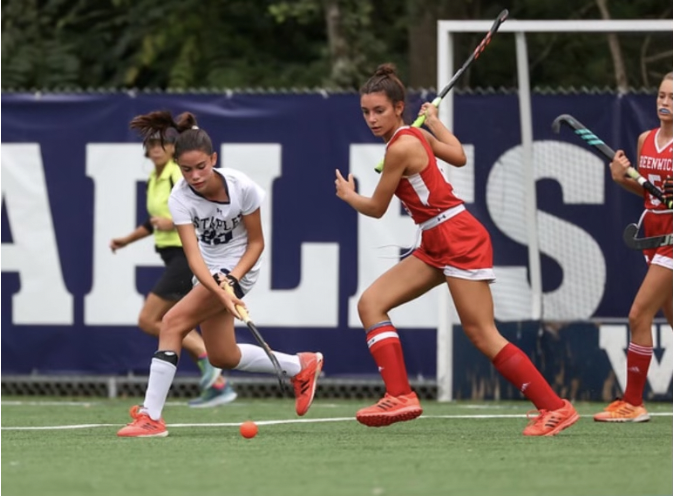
[222, 207]
[176, 280]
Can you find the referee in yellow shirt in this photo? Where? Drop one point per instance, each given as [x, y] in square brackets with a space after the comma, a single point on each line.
[176, 281]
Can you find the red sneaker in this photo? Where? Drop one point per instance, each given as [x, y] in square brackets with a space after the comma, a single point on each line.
[390, 409]
[304, 383]
[143, 425]
[552, 422]
[621, 411]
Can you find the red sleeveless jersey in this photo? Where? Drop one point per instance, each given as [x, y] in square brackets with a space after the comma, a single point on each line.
[427, 193]
[655, 164]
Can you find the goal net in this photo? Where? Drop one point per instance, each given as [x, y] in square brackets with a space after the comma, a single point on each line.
[565, 277]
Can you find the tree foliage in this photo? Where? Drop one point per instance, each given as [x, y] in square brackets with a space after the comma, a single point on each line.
[307, 43]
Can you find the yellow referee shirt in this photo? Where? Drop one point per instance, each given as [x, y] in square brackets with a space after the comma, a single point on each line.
[158, 191]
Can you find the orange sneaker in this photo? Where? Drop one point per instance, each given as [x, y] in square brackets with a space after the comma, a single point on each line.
[143, 425]
[552, 422]
[304, 383]
[621, 411]
[389, 410]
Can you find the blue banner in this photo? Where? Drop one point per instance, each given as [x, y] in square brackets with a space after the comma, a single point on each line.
[72, 179]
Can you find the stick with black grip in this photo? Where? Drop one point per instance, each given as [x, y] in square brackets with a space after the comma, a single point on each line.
[280, 374]
[591, 139]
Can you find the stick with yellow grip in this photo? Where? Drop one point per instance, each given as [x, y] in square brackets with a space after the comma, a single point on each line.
[473, 56]
[280, 374]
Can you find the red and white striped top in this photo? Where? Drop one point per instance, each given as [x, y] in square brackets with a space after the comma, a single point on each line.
[427, 193]
[655, 164]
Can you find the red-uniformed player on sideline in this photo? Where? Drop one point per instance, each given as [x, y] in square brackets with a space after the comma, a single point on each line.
[455, 249]
[655, 164]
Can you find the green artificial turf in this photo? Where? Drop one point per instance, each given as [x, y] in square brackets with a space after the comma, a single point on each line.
[454, 449]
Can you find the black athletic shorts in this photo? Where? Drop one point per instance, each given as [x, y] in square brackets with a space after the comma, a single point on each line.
[176, 281]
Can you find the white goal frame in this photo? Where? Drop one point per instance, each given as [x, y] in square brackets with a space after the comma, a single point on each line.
[445, 65]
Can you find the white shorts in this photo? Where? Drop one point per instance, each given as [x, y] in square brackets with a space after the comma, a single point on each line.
[246, 282]
[661, 260]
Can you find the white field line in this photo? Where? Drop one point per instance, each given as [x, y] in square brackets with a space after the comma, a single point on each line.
[280, 422]
[49, 403]
[87, 404]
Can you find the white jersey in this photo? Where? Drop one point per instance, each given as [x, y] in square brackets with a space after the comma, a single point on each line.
[221, 234]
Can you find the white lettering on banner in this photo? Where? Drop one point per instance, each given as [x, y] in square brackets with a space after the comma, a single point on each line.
[614, 340]
[315, 302]
[462, 179]
[581, 177]
[42, 297]
[393, 231]
[116, 170]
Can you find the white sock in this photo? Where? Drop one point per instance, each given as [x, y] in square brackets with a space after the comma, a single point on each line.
[161, 377]
[254, 359]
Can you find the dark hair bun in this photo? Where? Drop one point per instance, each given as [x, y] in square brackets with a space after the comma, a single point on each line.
[387, 69]
[185, 121]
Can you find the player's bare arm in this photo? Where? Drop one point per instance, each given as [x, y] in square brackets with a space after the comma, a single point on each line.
[194, 258]
[253, 223]
[162, 223]
[139, 233]
[200, 270]
[444, 144]
[619, 166]
[635, 187]
[395, 165]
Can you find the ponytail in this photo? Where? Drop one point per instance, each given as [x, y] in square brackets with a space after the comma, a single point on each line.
[183, 131]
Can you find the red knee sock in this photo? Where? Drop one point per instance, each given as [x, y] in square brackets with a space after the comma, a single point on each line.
[638, 361]
[384, 344]
[516, 367]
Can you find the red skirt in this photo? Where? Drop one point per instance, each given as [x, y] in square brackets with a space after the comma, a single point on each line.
[460, 246]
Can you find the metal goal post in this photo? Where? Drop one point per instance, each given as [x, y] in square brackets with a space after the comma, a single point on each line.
[463, 179]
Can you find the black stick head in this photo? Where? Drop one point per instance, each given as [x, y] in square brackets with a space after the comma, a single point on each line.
[557, 123]
[503, 15]
[630, 233]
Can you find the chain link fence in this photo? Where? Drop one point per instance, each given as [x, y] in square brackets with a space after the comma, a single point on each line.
[188, 387]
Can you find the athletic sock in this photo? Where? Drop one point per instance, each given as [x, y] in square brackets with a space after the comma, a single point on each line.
[202, 363]
[162, 371]
[254, 359]
[385, 348]
[516, 367]
[638, 361]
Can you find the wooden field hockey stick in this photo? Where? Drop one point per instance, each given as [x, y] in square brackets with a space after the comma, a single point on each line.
[280, 374]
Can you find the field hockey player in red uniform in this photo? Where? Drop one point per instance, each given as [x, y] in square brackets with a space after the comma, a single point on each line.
[654, 161]
[455, 250]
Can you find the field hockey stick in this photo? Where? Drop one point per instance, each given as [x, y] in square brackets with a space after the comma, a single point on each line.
[631, 240]
[591, 139]
[280, 374]
[473, 56]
